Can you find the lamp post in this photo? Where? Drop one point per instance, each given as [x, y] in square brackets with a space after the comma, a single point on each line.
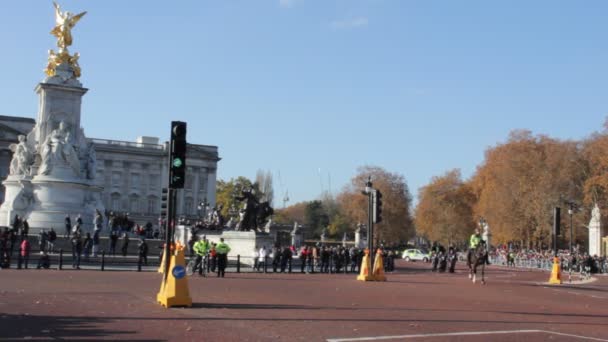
[571, 207]
[203, 206]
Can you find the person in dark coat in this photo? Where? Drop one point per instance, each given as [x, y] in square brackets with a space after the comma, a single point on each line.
[76, 250]
[113, 242]
[143, 251]
[286, 257]
[68, 226]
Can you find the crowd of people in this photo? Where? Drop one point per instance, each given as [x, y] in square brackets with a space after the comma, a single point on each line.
[534, 258]
[315, 259]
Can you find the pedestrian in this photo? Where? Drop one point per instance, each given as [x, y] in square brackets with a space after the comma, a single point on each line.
[44, 261]
[87, 245]
[142, 249]
[222, 250]
[96, 242]
[262, 255]
[275, 254]
[125, 244]
[79, 221]
[51, 241]
[76, 250]
[213, 255]
[68, 226]
[12, 239]
[16, 224]
[256, 256]
[25, 228]
[43, 237]
[113, 242]
[303, 257]
[98, 220]
[25, 251]
[286, 257]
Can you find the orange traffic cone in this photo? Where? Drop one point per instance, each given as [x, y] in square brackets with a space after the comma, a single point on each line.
[378, 272]
[556, 273]
[366, 265]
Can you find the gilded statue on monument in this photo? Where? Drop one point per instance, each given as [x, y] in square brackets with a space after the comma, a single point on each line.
[64, 23]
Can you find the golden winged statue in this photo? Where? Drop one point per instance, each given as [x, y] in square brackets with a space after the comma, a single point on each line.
[64, 23]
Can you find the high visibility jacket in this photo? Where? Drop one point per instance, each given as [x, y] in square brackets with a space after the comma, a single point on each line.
[222, 248]
[201, 247]
[474, 240]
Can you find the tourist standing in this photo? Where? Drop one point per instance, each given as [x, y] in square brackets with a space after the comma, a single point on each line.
[222, 250]
[76, 250]
[87, 245]
[43, 237]
[68, 226]
[25, 251]
[52, 238]
[262, 258]
[96, 242]
[143, 251]
[113, 242]
[25, 228]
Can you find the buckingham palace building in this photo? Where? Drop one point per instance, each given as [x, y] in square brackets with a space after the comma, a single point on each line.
[133, 174]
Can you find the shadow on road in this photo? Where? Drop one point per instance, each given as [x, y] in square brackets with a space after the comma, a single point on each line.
[57, 327]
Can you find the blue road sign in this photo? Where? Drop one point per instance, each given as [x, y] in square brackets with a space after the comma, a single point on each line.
[179, 272]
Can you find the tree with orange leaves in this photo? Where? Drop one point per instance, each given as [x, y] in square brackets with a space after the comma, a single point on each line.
[397, 223]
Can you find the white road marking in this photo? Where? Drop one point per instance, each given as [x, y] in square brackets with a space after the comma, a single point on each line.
[464, 333]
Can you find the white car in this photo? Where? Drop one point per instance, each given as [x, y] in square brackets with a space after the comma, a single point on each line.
[415, 255]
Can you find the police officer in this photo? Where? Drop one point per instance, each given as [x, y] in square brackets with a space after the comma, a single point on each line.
[222, 249]
[201, 248]
[474, 241]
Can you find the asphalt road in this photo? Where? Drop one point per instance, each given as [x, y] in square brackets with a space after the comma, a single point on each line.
[413, 305]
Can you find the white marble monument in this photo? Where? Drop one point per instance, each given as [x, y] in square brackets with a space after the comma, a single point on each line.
[595, 232]
[52, 172]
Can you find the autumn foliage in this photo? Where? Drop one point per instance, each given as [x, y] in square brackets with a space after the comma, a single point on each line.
[516, 188]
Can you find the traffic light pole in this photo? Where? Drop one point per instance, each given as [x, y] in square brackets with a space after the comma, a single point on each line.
[170, 226]
[370, 227]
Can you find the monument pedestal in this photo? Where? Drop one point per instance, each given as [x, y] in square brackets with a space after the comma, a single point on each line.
[56, 198]
[18, 197]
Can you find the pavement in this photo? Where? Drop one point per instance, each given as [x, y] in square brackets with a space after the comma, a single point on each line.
[413, 305]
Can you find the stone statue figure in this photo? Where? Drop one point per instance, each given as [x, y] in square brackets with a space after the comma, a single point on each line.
[595, 214]
[22, 157]
[64, 23]
[57, 148]
[91, 162]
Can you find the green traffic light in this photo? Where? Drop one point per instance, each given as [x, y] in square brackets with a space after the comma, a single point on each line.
[177, 162]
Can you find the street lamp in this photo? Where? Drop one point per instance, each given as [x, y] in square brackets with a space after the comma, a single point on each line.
[203, 206]
[571, 207]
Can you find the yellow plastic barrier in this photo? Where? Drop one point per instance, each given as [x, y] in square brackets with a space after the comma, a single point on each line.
[174, 287]
[378, 271]
[556, 273]
[366, 267]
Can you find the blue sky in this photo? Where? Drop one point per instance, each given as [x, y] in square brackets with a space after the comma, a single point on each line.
[312, 89]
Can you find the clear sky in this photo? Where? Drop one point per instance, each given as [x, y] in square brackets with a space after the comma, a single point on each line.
[312, 89]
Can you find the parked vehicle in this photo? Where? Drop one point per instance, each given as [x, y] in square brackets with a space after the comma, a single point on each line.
[415, 255]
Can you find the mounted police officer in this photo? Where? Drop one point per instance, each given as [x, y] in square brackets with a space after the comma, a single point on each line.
[474, 241]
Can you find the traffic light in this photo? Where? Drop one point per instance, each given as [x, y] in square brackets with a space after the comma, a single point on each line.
[164, 203]
[377, 206]
[556, 221]
[177, 158]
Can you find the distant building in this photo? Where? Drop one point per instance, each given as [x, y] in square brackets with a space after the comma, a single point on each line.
[133, 173]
